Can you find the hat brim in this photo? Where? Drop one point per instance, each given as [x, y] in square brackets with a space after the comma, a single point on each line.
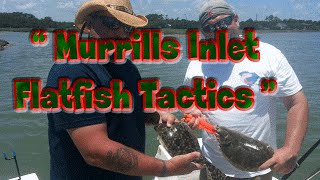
[126, 18]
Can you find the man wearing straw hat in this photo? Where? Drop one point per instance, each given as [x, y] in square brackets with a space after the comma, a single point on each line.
[110, 145]
[260, 121]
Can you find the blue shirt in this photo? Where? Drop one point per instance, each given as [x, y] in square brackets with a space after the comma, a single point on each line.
[126, 128]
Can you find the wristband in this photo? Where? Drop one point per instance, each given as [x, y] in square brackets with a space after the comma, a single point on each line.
[164, 169]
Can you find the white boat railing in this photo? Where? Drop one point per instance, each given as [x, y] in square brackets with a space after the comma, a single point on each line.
[32, 176]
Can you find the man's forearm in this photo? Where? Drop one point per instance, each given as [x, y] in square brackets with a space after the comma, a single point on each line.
[119, 158]
[297, 123]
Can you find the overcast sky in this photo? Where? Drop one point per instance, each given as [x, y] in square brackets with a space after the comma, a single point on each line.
[64, 10]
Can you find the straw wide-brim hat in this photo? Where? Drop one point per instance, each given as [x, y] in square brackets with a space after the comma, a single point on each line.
[120, 9]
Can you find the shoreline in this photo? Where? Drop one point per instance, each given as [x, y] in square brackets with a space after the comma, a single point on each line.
[4, 44]
[183, 31]
[28, 29]
[165, 30]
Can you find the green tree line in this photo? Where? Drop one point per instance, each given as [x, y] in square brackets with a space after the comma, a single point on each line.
[24, 20]
[274, 23]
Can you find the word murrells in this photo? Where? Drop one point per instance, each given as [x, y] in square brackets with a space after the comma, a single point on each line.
[146, 46]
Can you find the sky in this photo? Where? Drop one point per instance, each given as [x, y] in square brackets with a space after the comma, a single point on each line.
[65, 10]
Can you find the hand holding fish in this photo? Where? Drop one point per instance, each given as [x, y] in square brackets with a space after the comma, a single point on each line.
[160, 117]
[243, 152]
[199, 123]
[167, 118]
[282, 161]
[183, 146]
[183, 164]
[194, 116]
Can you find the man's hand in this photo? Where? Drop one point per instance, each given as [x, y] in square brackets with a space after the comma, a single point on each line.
[196, 114]
[167, 118]
[283, 161]
[99, 151]
[183, 164]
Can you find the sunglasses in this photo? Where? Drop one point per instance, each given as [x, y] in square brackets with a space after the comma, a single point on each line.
[222, 24]
[114, 24]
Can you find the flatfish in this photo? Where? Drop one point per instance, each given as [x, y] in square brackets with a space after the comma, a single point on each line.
[243, 152]
[179, 139]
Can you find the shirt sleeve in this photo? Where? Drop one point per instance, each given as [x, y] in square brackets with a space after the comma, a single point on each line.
[189, 74]
[65, 120]
[187, 81]
[287, 80]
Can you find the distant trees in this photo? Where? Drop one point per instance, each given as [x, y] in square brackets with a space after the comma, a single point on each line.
[274, 23]
[159, 21]
[272, 18]
[23, 20]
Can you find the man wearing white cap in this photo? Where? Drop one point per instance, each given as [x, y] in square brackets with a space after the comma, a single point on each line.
[260, 121]
[107, 145]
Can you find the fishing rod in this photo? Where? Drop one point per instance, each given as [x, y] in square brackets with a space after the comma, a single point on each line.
[313, 174]
[14, 156]
[299, 162]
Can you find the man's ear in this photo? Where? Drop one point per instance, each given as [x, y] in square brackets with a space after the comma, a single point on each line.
[86, 30]
[88, 26]
[236, 18]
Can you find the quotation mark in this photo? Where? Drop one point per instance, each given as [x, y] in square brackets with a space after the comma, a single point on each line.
[268, 85]
[39, 37]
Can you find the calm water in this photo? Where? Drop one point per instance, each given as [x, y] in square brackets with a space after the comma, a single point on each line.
[27, 132]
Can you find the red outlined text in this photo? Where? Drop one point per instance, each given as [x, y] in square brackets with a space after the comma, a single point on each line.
[81, 96]
[145, 46]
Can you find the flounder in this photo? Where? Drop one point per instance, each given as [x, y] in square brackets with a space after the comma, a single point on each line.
[179, 139]
[243, 152]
